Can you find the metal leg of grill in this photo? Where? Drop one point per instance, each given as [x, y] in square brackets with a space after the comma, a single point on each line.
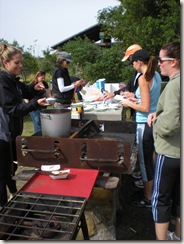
[83, 226]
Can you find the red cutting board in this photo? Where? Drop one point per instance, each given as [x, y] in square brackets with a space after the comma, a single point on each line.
[79, 183]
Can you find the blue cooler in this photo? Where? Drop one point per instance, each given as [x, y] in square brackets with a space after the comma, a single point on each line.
[100, 84]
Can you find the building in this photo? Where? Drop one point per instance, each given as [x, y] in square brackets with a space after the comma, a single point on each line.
[93, 33]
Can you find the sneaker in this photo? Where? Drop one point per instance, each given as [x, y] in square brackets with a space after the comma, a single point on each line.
[136, 175]
[139, 184]
[142, 202]
[171, 236]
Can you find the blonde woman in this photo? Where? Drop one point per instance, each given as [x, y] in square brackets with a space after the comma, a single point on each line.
[12, 111]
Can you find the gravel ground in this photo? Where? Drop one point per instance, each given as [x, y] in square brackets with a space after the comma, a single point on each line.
[132, 223]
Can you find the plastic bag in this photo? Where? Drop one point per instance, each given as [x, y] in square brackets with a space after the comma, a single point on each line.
[93, 94]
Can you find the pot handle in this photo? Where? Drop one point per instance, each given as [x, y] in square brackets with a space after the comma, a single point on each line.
[45, 116]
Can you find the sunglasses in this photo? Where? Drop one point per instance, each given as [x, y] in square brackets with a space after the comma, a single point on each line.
[161, 60]
[67, 61]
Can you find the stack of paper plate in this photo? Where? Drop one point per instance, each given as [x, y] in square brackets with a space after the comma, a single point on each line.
[62, 174]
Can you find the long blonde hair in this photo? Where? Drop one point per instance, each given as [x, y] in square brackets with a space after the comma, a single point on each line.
[7, 52]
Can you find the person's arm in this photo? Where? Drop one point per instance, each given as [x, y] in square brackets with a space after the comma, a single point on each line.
[167, 122]
[78, 93]
[144, 105]
[62, 87]
[13, 101]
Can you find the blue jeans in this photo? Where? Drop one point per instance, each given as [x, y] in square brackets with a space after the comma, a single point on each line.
[35, 116]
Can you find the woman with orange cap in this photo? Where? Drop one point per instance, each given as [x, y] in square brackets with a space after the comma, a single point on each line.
[144, 102]
[133, 83]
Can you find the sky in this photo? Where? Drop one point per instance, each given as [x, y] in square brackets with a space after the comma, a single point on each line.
[43, 23]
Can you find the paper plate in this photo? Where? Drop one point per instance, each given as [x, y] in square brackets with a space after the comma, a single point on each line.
[50, 167]
[114, 105]
[88, 101]
[62, 174]
[96, 103]
[119, 98]
[88, 108]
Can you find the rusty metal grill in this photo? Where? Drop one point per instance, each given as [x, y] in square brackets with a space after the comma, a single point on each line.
[87, 147]
[34, 216]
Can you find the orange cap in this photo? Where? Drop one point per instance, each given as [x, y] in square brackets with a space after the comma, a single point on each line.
[131, 50]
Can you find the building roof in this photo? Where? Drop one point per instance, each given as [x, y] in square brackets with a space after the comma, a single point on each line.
[93, 33]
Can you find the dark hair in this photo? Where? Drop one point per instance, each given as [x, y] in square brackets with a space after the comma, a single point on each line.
[151, 62]
[172, 50]
[152, 65]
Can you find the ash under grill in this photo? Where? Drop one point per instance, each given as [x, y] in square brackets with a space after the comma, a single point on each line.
[34, 216]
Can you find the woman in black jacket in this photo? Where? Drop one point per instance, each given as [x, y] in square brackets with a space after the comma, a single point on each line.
[62, 86]
[12, 110]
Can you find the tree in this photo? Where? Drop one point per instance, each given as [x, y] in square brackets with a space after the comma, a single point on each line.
[47, 63]
[92, 62]
[30, 63]
[150, 23]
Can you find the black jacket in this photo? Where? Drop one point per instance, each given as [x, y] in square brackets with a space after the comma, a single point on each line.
[64, 97]
[131, 87]
[12, 107]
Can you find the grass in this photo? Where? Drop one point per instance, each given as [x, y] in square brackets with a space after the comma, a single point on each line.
[28, 126]
[27, 131]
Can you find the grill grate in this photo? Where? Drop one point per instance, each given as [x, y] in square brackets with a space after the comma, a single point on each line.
[34, 216]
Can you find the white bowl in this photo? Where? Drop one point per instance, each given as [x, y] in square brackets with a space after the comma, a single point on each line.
[50, 100]
[113, 106]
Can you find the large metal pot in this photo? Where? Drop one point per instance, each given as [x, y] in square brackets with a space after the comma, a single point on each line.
[56, 122]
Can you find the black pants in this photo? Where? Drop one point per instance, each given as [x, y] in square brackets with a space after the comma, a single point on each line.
[166, 190]
[7, 170]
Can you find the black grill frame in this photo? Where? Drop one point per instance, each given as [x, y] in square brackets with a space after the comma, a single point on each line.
[20, 213]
